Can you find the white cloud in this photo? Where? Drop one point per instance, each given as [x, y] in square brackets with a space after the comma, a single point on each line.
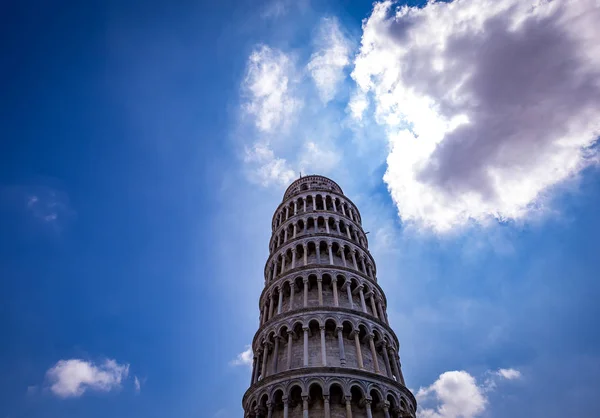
[268, 85]
[244, 358]
[327, 65]
[509, 374]
[316, 158]
[487, 103]
[265, 168]
[457, 395]
[71, 378]
[137, 384]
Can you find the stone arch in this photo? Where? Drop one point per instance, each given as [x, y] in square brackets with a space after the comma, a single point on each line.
[337, 398]
[277, 395]
[311, 224]
[319, 202]
[321, 228]
[295, 393]
[358, 396]
[377, 402]
[315, 397]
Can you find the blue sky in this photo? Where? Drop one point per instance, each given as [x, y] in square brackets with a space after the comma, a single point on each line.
[145, 145]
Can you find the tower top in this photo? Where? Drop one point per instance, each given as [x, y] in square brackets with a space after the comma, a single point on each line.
[311, 182]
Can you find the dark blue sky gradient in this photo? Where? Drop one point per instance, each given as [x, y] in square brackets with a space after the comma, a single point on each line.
[117, 115]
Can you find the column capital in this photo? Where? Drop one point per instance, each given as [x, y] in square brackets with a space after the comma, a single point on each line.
[305, 280]
[370, 336]
[305, 328]
[339, 328]
[348, 398]
[322, 327]
[326, 398]
[319, 279]
[292, 333]
[334, 279]
[367, 401]
[284, 399]
[294, 250]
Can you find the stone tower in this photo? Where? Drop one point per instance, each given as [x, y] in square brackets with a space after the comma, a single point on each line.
[324, 347]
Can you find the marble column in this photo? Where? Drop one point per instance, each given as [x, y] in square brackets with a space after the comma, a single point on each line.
[374, 353]
[335, 292]
[305, 406]
[358, 351]
[349, 291]
[368, 408]
[362, 298]
[348, 405]
[320, 289]
[263, 371]
[280, 301]
[386, 359]
[293, 258]
[329, 247]
[289, 349]
[305, 246]
[271, 305]
[380, 310]
[275, 355]
[340, 335]
[386, 410]
[373, 307]
[286, 407]
[292, 289]
[252, 380]
[353, 260]
[394, 364]
[305, 291]
[305, 329]
[326, 406]
[323, 348]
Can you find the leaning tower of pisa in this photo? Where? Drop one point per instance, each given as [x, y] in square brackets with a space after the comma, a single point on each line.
[324, 347]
